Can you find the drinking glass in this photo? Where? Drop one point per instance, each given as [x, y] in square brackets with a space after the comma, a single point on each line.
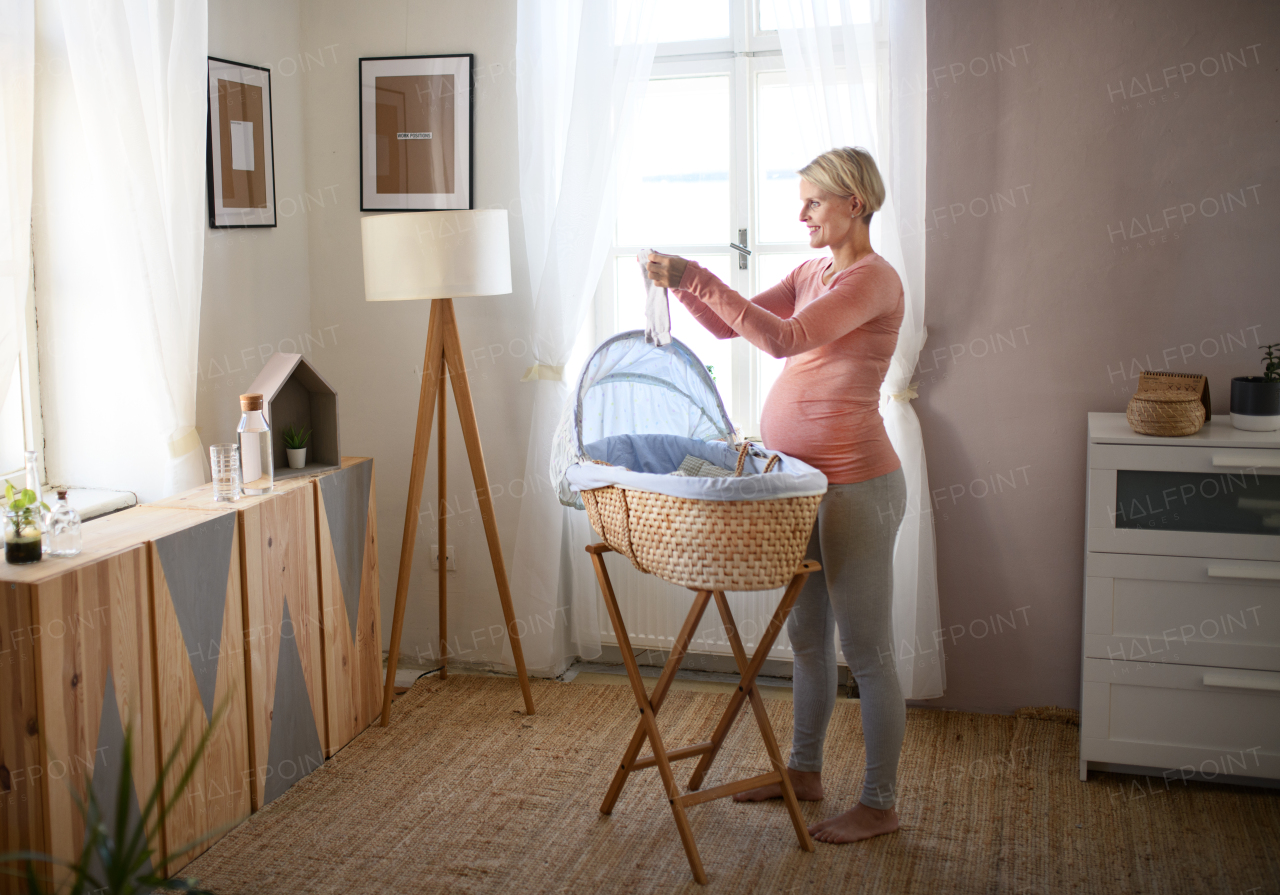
[224, 460]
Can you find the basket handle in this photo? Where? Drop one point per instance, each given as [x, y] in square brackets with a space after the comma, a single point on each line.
[742, 460]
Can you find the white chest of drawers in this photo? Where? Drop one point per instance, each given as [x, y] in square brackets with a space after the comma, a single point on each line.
[1180, 666]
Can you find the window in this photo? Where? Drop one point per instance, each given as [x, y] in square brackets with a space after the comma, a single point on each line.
[20, 406]
[713, 161]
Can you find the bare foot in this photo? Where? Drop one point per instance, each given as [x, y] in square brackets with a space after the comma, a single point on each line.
[807, 784]
[859, 822]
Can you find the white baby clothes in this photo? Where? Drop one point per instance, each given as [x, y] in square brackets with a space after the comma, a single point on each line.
[657, 313]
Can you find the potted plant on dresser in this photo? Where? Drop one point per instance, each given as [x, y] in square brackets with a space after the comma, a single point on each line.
[22, 525]
[1255, 400]
[295, 446]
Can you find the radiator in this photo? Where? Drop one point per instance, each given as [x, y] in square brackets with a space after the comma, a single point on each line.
[655, 610]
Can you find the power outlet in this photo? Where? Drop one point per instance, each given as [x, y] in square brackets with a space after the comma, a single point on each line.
[448, 559]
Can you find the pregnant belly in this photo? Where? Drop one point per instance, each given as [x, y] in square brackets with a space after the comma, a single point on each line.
[842, 438]
[812, 428]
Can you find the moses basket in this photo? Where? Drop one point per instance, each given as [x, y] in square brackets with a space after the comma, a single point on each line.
[637, 413]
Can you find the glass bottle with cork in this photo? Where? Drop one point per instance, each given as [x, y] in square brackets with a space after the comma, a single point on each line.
[63, 530]
[257, 467]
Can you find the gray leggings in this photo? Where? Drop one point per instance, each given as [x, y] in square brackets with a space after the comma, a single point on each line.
[853, 539]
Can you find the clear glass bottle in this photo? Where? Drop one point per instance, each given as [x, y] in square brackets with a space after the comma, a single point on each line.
[257, 467]
[33, 476]
[33, 484]
[63, 529]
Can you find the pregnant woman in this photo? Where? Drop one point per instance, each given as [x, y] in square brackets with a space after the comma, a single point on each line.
[836, 322]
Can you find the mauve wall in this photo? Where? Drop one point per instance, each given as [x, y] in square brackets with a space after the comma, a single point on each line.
[1103, 196]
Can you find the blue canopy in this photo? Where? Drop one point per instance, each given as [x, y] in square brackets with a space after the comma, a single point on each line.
[629, 387]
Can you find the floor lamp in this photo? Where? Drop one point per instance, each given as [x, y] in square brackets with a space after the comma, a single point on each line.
[442, 255]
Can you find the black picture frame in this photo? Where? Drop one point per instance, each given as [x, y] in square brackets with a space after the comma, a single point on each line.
[376, 158]
[259, 149]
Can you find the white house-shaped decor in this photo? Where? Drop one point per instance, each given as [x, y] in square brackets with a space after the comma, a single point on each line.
[294, 394]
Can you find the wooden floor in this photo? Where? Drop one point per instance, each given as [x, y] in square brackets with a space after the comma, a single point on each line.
[464, 793]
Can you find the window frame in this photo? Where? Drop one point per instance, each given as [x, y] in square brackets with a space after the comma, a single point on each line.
[28, 390]
[744, 56]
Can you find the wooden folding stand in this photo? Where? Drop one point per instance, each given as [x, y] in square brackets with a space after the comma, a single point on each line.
[444, 350]
[649, 704]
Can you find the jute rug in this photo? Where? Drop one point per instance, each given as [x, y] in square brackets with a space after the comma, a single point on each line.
[463, 793]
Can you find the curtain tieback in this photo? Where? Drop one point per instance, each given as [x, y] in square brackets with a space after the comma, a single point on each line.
[910, 393]
[543, 371]
[181, 445]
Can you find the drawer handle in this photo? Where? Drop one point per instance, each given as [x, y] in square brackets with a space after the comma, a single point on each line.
[1260, 574]
[1238, 461]
[1239, 681]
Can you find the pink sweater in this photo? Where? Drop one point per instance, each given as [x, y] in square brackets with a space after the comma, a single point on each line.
[838, 340]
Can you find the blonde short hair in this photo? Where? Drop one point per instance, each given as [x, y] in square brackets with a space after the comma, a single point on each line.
[845, 172]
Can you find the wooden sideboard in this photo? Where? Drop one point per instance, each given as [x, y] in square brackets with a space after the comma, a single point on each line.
[265, 610]
[1180, 668]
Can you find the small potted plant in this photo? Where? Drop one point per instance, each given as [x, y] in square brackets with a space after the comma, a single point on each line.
[22, 526]
[295, 446]
[1255, 400]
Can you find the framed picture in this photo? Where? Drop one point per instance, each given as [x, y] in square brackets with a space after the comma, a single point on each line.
[415, 133]
[241, 161]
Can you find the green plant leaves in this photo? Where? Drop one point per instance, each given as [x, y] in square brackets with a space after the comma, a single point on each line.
[123, 846]
[19, 500]
[295, 438]
[1271, 362]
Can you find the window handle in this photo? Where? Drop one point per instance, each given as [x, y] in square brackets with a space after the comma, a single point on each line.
[741, 248]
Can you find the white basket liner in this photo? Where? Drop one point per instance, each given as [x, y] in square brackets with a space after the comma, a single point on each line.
[645, 463]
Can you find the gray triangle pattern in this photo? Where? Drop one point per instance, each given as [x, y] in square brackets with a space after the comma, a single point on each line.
[196, 562]
[294, 749]
[346, 507]
[108, 765]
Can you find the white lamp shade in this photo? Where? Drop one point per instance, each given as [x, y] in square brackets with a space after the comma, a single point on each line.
[436, 254]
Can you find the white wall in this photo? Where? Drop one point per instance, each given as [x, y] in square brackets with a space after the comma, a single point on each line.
[301, 285]
[380, 346]
[257, 284]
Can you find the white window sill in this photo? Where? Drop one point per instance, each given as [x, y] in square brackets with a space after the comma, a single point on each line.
[91, 503]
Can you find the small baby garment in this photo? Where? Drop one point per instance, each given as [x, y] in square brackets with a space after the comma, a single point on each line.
[657, 313]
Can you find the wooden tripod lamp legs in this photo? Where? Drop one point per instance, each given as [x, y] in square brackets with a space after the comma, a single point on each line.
[444, 350]
[442, 545]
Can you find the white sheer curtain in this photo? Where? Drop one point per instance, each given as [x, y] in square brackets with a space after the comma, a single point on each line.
[854, 69]
[583, 66]
[119, 184]
[17, 84]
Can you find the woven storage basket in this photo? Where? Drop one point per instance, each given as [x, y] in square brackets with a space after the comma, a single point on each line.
[1169, 404]
[1165, 413]
[705, 544]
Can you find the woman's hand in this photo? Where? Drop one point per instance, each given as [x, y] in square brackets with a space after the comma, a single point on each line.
[666, 270]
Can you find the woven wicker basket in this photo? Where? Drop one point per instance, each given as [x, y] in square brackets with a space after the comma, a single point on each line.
[1165, 413]
[1169, 404]
[706, 544]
